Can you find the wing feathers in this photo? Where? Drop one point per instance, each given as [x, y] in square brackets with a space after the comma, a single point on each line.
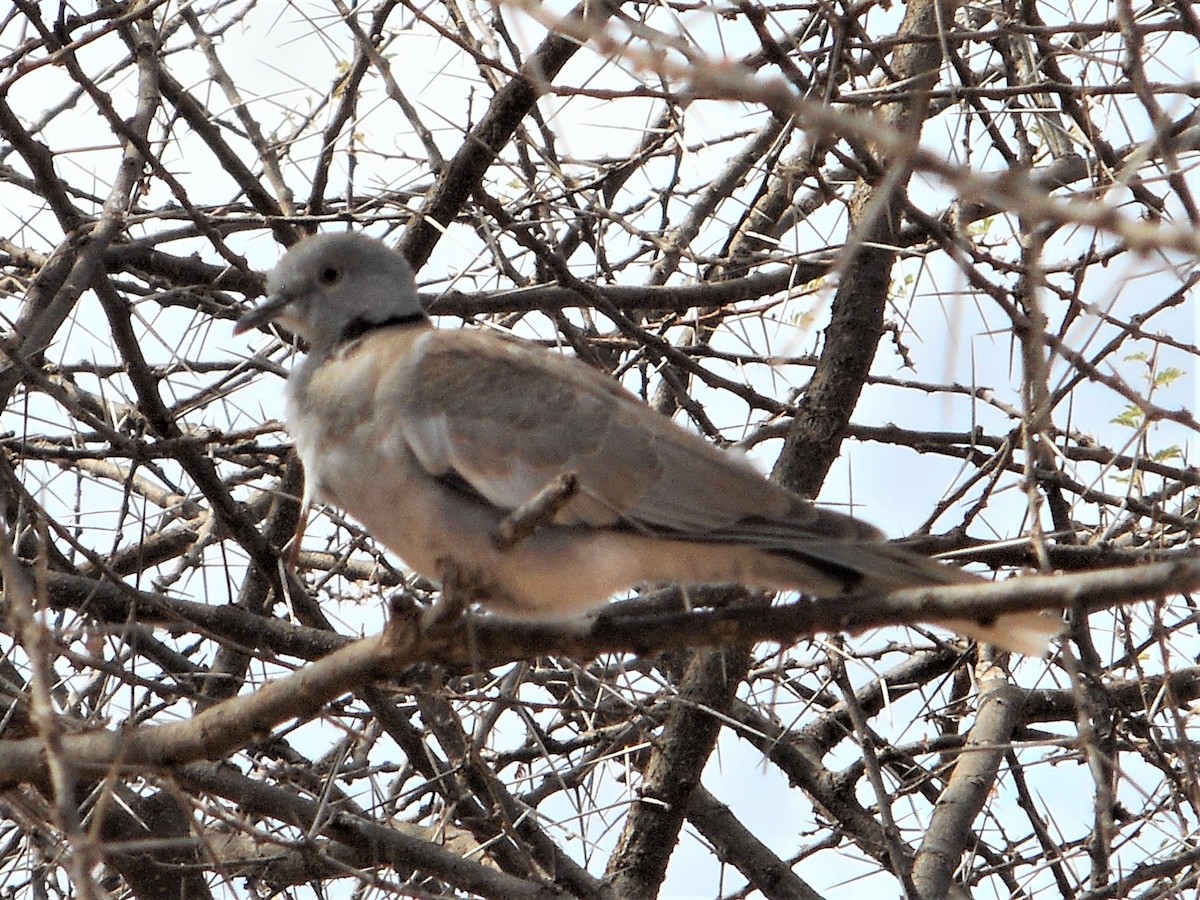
[508, 418]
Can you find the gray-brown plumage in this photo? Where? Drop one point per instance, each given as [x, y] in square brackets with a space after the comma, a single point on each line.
[432, 438]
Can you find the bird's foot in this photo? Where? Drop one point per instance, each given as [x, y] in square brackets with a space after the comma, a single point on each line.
[455, 597]
[462, 585]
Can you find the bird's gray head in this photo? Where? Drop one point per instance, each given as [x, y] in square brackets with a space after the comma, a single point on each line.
[329, 287]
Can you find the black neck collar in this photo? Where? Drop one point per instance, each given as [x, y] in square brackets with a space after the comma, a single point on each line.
[360, 327]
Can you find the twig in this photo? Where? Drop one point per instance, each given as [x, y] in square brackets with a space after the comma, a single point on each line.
[536, 512]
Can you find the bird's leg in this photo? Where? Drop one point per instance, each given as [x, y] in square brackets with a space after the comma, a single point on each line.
[540, 509]
[455, 597]
[463, 584]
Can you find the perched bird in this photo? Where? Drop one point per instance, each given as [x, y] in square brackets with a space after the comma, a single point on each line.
[442, 441]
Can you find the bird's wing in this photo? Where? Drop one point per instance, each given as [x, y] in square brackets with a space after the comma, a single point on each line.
[508, 418]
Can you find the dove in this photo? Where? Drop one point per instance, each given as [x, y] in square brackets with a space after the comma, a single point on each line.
[543, 485]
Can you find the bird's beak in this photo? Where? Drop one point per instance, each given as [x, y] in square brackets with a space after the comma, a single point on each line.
[262, 314]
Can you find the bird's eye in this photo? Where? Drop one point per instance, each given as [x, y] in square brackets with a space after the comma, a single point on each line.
[330, 275]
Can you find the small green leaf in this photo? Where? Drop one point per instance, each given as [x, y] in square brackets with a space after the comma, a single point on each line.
[1131, 418]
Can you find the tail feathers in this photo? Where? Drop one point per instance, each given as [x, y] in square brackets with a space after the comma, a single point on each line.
[1024, 632]
[869, 567]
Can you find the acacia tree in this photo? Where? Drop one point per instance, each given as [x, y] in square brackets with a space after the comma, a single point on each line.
[931, 262]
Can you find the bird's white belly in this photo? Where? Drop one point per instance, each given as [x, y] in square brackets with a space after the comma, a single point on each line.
[556, 573]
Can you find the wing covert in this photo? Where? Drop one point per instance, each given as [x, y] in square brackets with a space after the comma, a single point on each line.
[509, 417]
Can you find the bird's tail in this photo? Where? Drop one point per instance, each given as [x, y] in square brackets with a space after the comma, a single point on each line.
[871, 567]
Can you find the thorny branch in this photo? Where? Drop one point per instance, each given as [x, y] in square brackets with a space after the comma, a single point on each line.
[930, 262]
